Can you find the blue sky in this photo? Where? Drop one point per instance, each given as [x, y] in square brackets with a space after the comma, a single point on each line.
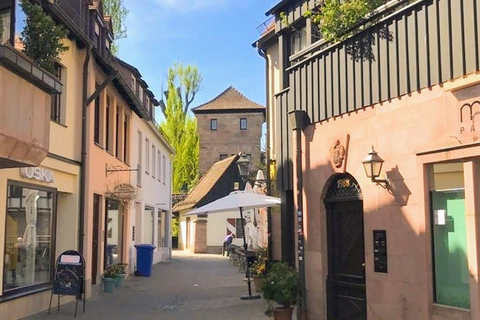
[216, 35]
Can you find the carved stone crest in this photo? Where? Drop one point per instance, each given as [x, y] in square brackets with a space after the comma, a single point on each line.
[337, 154]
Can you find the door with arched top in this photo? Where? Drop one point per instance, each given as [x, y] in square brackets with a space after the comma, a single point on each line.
[346, 291]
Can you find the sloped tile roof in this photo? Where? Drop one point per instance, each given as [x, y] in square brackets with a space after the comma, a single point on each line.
[230, 99]
[206, 183]
[177, 197]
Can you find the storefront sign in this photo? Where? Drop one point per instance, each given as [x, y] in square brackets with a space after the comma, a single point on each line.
[468, 114]
[38, 173]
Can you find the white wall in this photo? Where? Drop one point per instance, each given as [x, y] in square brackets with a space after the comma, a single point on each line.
[217, 228]
[156, 188]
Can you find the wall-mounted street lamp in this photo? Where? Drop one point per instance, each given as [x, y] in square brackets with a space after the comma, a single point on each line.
[373, 166]
[243, 165]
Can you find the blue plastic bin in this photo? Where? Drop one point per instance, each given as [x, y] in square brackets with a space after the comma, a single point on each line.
[144, 259]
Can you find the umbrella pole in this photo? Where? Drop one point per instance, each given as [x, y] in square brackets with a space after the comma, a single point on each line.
[245, 247]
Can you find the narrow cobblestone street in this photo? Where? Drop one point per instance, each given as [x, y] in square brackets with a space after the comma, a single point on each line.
[185, 287]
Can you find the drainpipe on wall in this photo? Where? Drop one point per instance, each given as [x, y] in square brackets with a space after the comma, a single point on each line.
[267, 156]
[299, 121]
[83, 171]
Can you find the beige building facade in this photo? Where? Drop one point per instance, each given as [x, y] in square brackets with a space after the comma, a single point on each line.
[40, 196]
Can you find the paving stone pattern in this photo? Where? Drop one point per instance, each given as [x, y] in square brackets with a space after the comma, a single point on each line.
[187, 287]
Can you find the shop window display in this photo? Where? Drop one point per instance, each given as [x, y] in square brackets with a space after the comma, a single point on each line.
[28, 237]
[449, 228]
[114, 234]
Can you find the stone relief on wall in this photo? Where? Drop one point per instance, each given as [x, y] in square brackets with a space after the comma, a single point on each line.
[337, 154]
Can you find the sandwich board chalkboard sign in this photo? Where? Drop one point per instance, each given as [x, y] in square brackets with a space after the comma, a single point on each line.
[69, 278]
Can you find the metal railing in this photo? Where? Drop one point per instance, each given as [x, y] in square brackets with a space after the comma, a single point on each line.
[266, 26]
[74, 14]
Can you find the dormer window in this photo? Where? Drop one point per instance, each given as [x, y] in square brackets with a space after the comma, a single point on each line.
[147, 105]
[97, 34]
[140, 93]
[134, 84]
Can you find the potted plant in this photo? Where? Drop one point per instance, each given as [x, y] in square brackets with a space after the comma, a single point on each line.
[258, 270]
[120, 273]
[281, 285]
[109, 280]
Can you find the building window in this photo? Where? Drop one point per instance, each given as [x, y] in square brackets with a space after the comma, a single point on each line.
[316, 34]
[164, 169]
[147, 155]
[140, 93]
[213, 124]
[159, 160]
[223, 156]
[154, 167]
[148, 106]
[107, 44]
[449, 228]
[97, 34]
[139, 164]
[160, 234]
[113, 232]
[96, 124]
[117, 133]
[243, 123]
[148, 225]
[125, 138]
[56, 112]
[5, 18]
[298, 40]
[238, 228]
[134, 84]
[29, 237]
[107, 125]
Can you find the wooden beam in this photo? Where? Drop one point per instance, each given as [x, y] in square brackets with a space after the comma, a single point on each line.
[104, 84]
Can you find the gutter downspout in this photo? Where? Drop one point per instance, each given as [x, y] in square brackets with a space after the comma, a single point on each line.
[83, 191]
[262, 53]
[302, 311]
[300, 120]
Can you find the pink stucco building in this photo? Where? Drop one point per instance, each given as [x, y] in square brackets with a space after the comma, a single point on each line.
[408, 84]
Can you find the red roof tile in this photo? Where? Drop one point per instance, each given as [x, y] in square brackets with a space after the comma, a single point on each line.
[230, 99]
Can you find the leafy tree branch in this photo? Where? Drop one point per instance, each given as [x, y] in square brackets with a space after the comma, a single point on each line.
[335, 19]
[118, 13]
[42, 37]
[179, 127]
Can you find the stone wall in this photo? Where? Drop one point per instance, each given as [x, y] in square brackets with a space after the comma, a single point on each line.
[228, 138]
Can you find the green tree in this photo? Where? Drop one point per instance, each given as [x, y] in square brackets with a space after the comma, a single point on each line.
[335, 19]
[118, 13]
[186, 81]
[42, 37]
[179, 127]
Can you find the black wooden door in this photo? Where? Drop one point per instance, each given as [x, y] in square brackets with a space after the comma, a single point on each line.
[346, 294]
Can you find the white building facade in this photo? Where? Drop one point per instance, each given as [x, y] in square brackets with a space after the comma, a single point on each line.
[151, 221]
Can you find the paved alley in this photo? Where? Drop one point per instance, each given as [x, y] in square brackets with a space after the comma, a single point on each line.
[186, 287]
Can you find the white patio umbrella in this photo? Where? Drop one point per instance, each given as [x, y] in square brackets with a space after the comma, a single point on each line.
[239, 200]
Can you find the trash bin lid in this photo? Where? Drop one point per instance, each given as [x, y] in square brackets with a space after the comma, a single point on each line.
[145, 246]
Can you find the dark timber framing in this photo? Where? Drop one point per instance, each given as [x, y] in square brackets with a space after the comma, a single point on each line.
[428, 42]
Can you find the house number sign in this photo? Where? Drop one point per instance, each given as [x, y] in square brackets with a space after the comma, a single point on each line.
[38, 173]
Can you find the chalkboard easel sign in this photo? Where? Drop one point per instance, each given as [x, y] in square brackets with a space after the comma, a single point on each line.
[69, 278]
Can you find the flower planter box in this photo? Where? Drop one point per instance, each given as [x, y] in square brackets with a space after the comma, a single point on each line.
[120, 278]
[109, 284]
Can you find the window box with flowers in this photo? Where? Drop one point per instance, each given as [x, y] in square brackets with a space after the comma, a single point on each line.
[259, 269]
[109, 279]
